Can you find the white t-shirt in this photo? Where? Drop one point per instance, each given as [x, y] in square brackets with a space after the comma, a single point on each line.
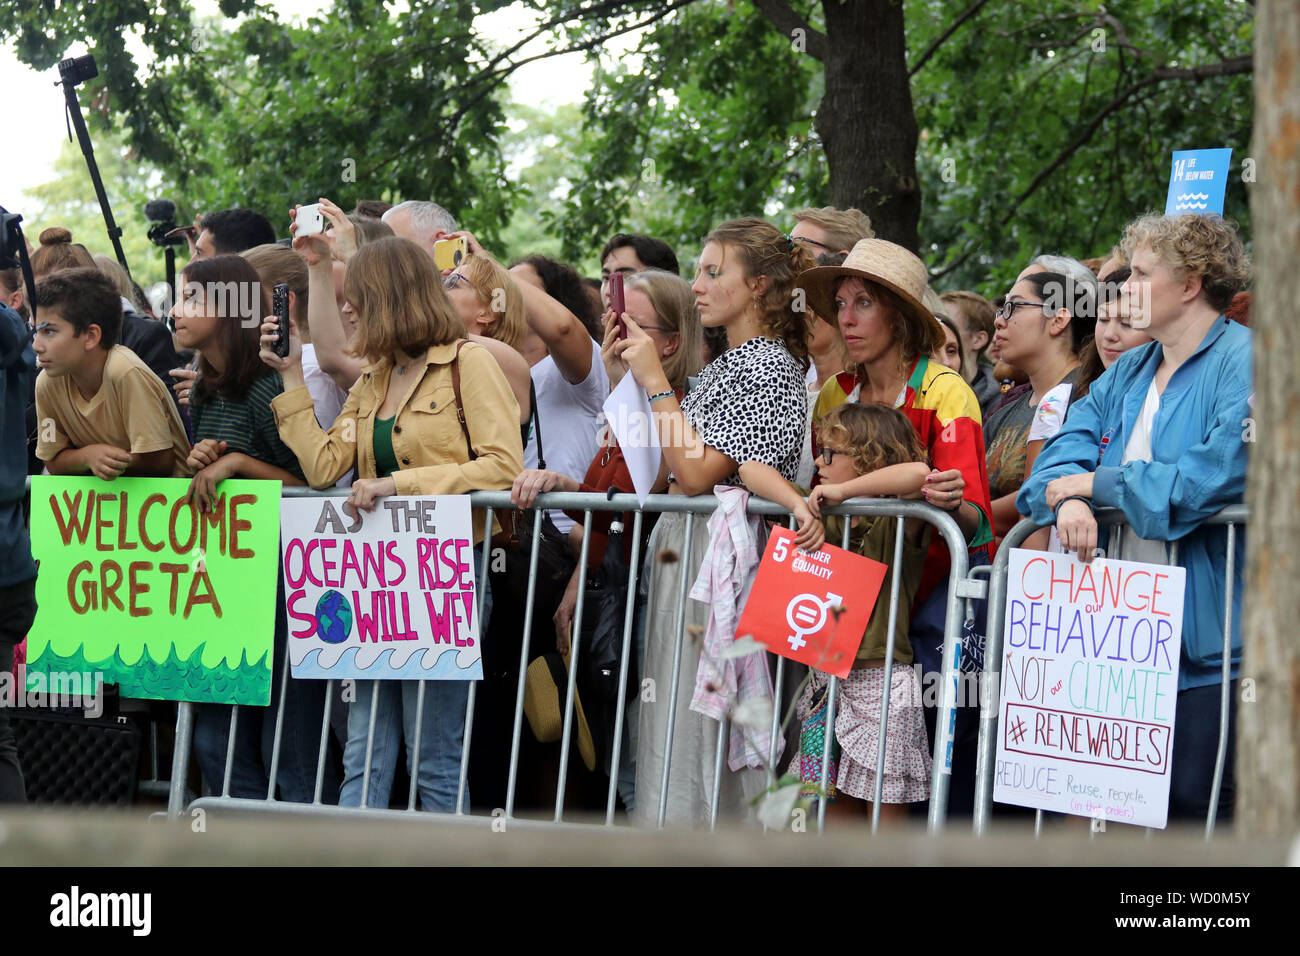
[571, 418]
[1133, 548]
[1048, 419]
[326, 397]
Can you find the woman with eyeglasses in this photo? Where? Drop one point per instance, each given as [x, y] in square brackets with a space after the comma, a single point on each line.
[1041, 326]
[492, 307]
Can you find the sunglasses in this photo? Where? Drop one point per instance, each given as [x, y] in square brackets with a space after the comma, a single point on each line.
[828, 454]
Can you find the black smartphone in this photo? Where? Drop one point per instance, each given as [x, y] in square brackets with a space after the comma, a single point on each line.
[280, 306]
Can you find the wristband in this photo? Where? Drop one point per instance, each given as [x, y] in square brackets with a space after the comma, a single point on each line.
[658, 395]
[1083, 498]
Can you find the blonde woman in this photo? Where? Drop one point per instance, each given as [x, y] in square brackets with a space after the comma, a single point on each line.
[400, 433]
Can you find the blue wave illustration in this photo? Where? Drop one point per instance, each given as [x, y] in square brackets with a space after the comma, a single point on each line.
[1193, 196]
[1191, 205]
[444, 668]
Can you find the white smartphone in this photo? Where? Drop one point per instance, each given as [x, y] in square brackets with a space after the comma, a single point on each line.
[310, 220]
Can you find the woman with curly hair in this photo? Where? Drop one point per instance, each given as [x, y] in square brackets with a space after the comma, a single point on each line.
[749, 405]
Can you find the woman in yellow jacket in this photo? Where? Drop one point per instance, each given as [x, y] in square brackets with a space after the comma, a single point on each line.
[400, 430]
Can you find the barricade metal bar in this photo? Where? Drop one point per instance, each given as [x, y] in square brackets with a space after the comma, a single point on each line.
[413, 758]
[828, 737]
[370, 743]
[538, 517]
[324, 739]
[180, 759]
[991, 688]
[680, 631]
[896, 575]
[945, 720]
[1225, 690]
[473, 685]
[279, 727]
[575, 639]
[230, 750]
[719, 759]
[620, 707]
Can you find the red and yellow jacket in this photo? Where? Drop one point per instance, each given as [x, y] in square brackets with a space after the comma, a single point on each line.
[946, 415]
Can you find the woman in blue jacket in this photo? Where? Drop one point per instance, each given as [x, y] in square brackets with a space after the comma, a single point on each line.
[1161, 437]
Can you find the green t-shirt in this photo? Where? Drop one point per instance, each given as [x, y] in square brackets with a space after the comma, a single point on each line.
[385, 457]
[874, 537]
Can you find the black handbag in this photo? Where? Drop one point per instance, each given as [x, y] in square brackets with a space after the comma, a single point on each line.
[603, 614]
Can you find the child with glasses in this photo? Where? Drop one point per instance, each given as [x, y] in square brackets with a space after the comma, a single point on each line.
[867, 450]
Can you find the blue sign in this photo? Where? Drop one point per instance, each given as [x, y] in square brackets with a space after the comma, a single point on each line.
[1197, 181]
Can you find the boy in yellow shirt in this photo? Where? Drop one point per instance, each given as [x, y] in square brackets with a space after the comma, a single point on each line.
[99, 408]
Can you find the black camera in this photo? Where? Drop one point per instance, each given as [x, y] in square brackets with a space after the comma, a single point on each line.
[161, 214]
[12, 247]
[78, 69]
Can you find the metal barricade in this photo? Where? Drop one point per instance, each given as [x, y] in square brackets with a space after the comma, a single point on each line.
[991, 687]
[694, 508]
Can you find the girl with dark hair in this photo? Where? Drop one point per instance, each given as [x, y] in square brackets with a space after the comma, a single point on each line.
[1042, 325]
[218, 314]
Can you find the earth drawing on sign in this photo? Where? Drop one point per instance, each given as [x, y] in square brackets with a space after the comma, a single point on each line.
[334, 617]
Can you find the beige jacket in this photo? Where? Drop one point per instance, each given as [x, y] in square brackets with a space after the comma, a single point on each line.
[430, 446]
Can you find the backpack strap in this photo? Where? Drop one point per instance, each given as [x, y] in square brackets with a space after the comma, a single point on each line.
[537, 423]
[460, 405]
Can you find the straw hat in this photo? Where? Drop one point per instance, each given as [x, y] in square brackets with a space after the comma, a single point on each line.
[887, 264]
[545, 684]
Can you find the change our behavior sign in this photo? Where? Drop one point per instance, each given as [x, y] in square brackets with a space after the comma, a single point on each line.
[385, 594]
[1089, 686]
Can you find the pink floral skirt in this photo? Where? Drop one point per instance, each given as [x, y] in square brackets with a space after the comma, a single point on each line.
[906, 777]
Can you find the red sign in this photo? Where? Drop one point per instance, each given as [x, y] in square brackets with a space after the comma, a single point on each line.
[812, 608]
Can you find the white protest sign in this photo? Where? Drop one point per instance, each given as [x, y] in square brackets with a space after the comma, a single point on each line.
[389, 597]
[1089, 686]
[627, 410]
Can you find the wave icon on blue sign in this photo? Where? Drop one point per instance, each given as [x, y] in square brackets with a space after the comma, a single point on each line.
[1191, 205]
[1193, 196]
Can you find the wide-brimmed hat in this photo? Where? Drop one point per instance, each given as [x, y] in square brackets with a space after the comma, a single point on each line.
[884, 263]
[545, 685]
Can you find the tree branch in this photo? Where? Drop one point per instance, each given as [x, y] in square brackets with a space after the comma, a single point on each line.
[1235, 65]
[782, 16]
[970, 11]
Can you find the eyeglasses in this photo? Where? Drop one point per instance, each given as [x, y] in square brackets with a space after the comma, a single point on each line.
[812, 242]
[1007, 307]
[454, 280]
[828, 454]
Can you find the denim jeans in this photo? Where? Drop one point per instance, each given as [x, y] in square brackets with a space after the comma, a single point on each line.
[442, 731]
[300, 736]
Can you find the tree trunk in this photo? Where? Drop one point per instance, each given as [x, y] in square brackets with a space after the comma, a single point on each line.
[866, 121]
[1268, 754]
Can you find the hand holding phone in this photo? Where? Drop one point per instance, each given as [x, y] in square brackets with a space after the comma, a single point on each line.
[310, 221]
[448, 253]
[280, 305]
[616, 302]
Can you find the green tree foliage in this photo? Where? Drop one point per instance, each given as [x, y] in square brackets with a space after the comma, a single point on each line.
[1043, 127]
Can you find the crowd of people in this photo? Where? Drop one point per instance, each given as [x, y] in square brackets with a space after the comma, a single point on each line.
[807, 366]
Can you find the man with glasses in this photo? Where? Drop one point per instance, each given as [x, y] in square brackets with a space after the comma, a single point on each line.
[628, 253]
[830, 230]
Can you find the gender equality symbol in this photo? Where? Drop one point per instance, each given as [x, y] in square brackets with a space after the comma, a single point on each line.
[806, 614]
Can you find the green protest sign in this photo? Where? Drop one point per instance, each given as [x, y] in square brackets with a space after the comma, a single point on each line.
[138, 587]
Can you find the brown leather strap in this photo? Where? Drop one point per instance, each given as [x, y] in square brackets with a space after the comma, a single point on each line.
[460, 405]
